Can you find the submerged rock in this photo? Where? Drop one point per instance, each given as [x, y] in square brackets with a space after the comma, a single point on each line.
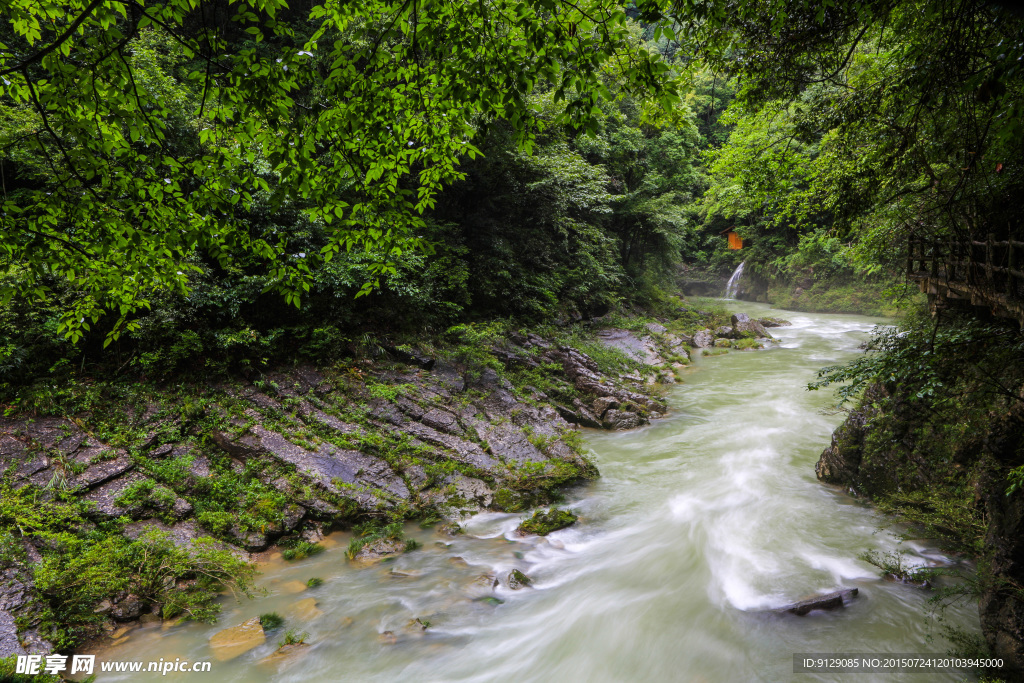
[237, 640]
[284, 652]
[544, 522]
[833, 600]
[306, 610]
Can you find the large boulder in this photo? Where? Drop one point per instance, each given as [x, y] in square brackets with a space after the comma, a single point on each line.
[544, 522]
[704, 339]
[377, 550]
[742, 325]
[619, 420]
[603, 404]
[127, 608]
[580, 416]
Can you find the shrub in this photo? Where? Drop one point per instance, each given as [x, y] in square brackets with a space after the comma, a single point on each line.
[302, 550]
[271, 621]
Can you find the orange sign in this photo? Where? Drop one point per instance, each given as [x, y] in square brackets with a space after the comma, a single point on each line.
[735, 241]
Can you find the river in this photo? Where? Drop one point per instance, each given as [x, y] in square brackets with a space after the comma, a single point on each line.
[698, 523]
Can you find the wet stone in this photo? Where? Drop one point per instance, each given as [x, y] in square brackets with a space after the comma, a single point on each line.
[237, 640]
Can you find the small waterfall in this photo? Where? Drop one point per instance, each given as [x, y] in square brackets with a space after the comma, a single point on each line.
[732, 288]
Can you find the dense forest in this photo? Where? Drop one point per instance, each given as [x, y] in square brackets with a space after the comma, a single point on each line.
[210, 191]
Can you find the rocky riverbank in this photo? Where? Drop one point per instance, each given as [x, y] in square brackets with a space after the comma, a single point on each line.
[280, 460]
[955, 487]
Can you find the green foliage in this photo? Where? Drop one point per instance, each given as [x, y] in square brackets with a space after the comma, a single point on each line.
[314, 582]
[895, 566]
[79, 572]
[146, 493]
[387, 392]
[301, 551]
[375, 530]
[947, 513]
[8, 666]
[271, 621]
[11, 551]
[931, 361]
[123, 118]
[932, 391]
[293, 637]
[746, 344]
[507, 500]
[473, 342]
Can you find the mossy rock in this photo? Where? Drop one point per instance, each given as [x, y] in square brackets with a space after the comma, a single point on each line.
[508, 500]
[543, 523]
[517, 579]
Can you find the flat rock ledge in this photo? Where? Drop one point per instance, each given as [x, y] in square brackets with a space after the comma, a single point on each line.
[339, 445]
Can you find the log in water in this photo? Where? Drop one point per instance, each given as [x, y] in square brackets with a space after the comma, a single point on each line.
[701, 525]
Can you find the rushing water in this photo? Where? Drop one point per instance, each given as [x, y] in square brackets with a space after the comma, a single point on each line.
[698, 523]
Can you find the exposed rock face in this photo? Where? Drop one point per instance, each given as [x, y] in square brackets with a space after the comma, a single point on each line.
[601, 405]
[433, 435]
[640, 349]
[848, 462]
[840, 463]
[619, 420]
[704, 339]
[586, 377]
[9, 644]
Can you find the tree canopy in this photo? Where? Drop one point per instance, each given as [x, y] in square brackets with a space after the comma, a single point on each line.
[150, 138]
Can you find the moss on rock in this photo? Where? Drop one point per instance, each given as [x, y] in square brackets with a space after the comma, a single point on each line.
[544, 522]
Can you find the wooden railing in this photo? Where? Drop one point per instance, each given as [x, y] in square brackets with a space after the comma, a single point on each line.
[989, 273]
